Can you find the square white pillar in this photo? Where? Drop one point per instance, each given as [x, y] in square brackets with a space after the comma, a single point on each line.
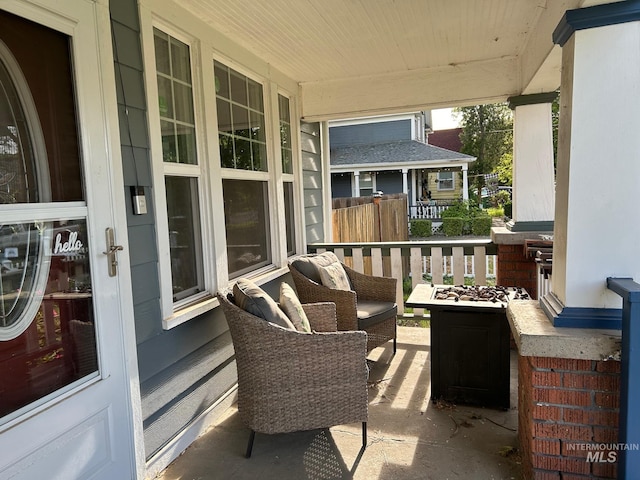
[597, 218]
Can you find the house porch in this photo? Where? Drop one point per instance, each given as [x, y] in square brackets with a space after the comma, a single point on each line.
[409, 436]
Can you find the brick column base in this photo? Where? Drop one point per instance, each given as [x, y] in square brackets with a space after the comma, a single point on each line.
[515, 269]
[566, 410]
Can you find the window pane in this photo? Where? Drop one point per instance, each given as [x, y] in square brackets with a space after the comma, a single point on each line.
[184, 236]
[289, 218]
[283, 106]
[287, 161]
[186, 137]
[183, 103]
[165, 97]
[180, 64]
[255, 96]
[243, 154]
[175, 98]
[226, 150]
[285, 134]
[259, 151]
[224, 116]
[257, 126]
[222, 79]
[161, 43]
[169, 149]
[240, 121]
[238, 87]
[242, 118]
[246, 214]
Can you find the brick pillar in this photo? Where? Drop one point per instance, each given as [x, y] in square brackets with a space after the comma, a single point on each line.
[515, 269]
[565, 407]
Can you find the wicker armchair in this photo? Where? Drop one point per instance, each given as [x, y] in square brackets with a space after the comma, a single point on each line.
[290, 381]
[369, 305]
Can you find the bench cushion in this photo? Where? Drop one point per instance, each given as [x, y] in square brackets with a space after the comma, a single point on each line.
[372, 312]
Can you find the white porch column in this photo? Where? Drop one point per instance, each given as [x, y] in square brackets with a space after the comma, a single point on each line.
[414, 188]
[597, 218]
[405, 182]
[355, 187]
[533, 171]
[465, 182]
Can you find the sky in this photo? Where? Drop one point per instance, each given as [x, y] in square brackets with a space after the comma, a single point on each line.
[443, 119]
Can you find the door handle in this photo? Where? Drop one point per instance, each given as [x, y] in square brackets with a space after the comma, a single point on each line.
[112, 252]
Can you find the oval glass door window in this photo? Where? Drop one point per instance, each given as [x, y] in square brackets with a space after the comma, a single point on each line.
[24, 178]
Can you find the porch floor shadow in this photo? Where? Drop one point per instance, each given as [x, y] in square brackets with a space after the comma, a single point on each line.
[409, 437]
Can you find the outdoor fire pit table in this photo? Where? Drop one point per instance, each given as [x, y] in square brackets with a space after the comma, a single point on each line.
[469, 342]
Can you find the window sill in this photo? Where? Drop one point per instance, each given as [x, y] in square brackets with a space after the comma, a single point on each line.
[208, 303]
[262, 276]
[190, 311]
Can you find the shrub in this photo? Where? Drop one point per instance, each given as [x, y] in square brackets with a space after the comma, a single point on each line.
[481, 225]
[508, 209]
[495, 212]
[452, 226]
[421, 228]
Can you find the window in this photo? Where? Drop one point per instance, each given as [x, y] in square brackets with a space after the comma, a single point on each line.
[286, 150]
[180, 165]
[445, 180]
[366, 184]
[241, 125]
[243, 146]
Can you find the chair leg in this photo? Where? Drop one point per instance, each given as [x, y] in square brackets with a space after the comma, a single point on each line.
[252, 436]
[364, 435]
[395, 344]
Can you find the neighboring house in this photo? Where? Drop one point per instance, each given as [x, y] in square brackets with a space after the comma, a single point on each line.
[391, 154]
[448, 138]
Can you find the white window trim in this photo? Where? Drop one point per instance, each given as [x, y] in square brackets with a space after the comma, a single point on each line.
[175, 313]
[207, 46]
[453, 182]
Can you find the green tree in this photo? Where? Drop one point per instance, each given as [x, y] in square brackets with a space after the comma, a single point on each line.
[504, 169]
[487, 134]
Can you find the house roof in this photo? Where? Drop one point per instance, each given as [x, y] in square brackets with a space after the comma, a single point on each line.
[449, 139]
[394, 155]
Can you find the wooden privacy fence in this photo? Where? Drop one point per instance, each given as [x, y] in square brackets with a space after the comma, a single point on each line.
[363, 219]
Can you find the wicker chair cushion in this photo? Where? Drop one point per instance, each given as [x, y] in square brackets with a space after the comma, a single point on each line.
[372, 312]
[251, 298]
[291, 305]
[308, 265]
[333, 276]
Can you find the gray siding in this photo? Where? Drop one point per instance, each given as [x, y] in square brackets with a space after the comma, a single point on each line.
[370, 133]
[184, 370]
[340, 185]
[312, 180]
[389, 182]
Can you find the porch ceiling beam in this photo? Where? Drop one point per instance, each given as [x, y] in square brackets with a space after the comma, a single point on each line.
[541, 60]
[454, 85]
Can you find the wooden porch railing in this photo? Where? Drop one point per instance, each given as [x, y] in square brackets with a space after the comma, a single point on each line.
[419, 262]
[429, 211]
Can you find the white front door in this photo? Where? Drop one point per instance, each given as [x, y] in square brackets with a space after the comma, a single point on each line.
[68, 380]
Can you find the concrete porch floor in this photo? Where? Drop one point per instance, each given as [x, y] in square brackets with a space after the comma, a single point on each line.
[409, 437]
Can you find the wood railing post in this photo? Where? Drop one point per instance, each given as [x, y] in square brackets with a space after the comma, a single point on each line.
[629, 429]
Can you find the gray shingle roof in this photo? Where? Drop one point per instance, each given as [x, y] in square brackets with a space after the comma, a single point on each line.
[394, 152]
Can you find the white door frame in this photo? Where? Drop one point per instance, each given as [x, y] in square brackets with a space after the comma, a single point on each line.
[88, 22]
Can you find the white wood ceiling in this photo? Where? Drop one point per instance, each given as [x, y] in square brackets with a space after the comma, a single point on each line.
[358, 57]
